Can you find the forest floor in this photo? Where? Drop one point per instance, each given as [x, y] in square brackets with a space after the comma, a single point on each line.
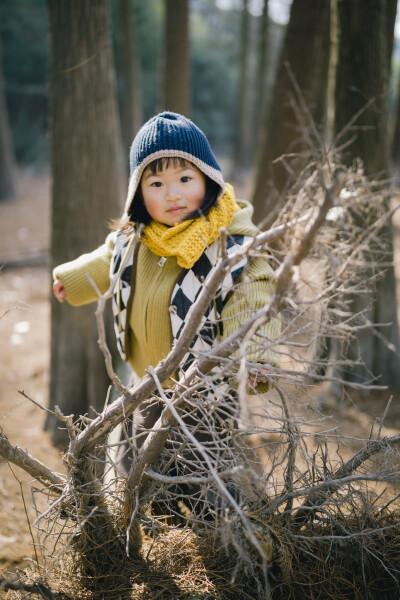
[24, 350]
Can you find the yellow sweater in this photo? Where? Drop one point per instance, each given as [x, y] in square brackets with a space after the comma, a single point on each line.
[150, 336]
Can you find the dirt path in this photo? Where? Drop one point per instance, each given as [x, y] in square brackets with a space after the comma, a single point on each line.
[24, 351]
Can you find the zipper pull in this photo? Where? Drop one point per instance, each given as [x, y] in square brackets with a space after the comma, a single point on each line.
[162, 261]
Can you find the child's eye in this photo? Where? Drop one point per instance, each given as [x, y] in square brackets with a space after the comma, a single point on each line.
[156, 184]
[185, 178]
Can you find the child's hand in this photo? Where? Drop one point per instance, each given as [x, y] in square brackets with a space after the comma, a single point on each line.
[59, 290]
[258, 376]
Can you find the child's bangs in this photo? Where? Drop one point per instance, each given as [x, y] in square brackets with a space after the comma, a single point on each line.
[160, 164]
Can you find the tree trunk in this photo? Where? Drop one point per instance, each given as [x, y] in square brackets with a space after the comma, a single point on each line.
[176, 64]
[305, 53]
[395, 151]
[87, 188]
[132, 111]
[395, 148]
[7, 188]
[261, 71]
[242, 142]
[262, 60]
[391, 10]
[362, 76]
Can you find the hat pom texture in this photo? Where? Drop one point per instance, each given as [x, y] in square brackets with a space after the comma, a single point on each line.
[170, 134]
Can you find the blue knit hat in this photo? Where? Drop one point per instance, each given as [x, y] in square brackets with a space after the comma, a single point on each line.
[170, 134]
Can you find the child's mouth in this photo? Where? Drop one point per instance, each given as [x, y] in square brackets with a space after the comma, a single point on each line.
[175, 210]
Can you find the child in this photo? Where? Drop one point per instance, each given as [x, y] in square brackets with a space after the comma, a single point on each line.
[177, 191]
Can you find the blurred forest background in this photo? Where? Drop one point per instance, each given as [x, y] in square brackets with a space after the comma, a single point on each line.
[215, 54]
[234, 49]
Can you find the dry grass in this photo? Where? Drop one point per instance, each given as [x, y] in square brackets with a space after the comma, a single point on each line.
[357, 557]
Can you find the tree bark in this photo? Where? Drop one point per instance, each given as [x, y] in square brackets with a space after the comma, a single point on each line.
[261, 100]
[395, 144]
[87, 189]
[7, 161]
[306, 53]
[176, 63]
[262, 61]
[132, 111]
[362, 77]
[242, 142]
[391, 10]
[395, 151]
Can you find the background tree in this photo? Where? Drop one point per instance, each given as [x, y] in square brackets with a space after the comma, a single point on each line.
[243, 129]
[395, 135]
[23, 26]
[261, 69]
[391, 11]
[214, 35]
[131, 101]
[7, 187]
[361, 89]
[395, 153]
[175, 94]
[87, 187]
[308, 29]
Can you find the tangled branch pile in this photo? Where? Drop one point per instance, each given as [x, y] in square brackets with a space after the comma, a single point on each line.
[238, 495]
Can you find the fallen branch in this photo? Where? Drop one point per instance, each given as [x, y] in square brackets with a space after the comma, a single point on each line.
[32, 466]
[39, 588]
[320, 494]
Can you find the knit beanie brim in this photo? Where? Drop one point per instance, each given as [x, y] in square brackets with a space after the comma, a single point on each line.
[170, 135]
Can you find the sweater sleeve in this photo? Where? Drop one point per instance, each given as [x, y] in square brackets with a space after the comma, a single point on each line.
[253, 291]
[73, 274]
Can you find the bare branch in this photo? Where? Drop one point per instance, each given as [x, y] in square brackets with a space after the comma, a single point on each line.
[30, 465]
[316, 498]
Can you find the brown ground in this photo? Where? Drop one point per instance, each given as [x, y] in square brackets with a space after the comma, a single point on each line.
[24, 350]
[24, 347]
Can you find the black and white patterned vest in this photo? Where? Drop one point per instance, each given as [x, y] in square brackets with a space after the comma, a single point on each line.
[183, 296]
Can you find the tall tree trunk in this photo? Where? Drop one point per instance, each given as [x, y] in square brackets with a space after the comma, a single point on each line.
[175, 93]
[242, 142]
[7, 161]
[395, 151]
[262, 48]
[391, 11]
[87, 188]
[395, 137]
[362, 76]
[132, 111]
[305, 53]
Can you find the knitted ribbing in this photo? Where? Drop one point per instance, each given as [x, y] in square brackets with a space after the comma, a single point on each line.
[149, 319]
[188, 240]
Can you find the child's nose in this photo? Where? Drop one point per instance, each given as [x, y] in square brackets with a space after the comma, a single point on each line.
[173, 193]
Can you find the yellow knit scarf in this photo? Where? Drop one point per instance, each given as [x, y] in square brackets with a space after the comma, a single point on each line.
[188, 240]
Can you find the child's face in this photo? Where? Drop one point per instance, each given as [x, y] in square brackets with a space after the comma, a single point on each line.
[173, 193]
